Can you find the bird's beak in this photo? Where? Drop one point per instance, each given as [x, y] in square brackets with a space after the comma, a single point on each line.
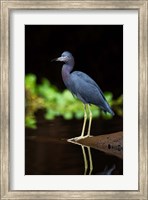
[60, 59]
[57, 59]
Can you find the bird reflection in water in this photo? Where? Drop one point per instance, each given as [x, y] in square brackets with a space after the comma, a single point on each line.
[88, 162]
[107, 170]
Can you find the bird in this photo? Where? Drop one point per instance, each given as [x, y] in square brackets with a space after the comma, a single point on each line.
[84, 88]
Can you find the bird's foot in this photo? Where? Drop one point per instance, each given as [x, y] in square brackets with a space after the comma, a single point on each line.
[78, 138]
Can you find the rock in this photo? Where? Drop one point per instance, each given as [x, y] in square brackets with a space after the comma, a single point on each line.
[109, 143]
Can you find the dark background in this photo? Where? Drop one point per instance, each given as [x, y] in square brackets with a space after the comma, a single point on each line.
[97, 49]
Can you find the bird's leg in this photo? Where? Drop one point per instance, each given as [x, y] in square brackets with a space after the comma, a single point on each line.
[83, 128]
[84, 123]
[90, 120]
[90, 161]
[85, 160]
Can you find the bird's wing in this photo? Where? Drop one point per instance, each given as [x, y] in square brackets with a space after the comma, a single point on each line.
[89, 80]
[87, 90]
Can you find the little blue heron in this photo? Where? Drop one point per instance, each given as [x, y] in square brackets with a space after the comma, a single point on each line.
[84, 88]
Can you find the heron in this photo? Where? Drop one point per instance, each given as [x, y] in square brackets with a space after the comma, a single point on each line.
[84, 88]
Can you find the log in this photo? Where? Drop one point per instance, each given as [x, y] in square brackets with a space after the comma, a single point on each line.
[108, 143]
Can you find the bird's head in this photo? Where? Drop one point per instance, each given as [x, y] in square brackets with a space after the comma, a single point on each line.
[66, 57]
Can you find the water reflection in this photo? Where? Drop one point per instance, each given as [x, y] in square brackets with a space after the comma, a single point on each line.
[107, 170]
[86, 162]
[47, 152]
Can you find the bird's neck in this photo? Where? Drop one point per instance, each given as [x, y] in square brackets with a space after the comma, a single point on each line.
[66, 70]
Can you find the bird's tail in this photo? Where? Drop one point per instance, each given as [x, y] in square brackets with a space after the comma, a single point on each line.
[110, 111]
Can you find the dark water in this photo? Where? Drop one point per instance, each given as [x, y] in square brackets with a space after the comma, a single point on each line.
[47, 151]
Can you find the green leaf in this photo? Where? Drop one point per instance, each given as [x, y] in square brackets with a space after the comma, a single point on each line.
[50, 114]
[119, 101]
[108, 96]
[30, 83]
[30, 122]
[79, 114]
[68, 115]
[107, 115]
[96, 113]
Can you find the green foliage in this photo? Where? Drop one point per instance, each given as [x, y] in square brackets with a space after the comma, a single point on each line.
[30, 121]
[55, 103]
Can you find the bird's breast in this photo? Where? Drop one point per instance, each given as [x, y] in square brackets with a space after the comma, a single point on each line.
[66, 78]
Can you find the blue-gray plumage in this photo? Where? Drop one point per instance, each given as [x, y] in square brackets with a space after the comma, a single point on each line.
[83, 87]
